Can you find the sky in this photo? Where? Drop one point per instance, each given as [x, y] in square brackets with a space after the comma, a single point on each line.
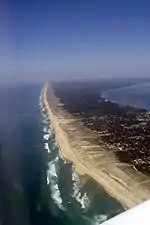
[72, 39]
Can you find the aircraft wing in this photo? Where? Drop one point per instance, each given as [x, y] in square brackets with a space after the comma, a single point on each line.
[139, 215]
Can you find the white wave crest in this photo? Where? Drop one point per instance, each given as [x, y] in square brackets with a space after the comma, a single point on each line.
[76, 183]
[45, 121]
[52, 182]
[50, 132]
[83, 200]
[56, 195]
[52, 179]
[52, 169]
[98, 219]
[47, 147]
[48, 180]
[77, 186]
[45, 129]
[41, 104]
[46, 136]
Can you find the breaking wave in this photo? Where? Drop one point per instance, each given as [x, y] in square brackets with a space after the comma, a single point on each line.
[77, 187]
[52, 176]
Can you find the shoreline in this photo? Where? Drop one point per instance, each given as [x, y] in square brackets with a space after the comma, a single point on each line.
[124, 105]
[117, 183]
[105, 97]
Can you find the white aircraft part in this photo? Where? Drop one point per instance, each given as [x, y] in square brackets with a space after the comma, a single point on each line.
[135, 216]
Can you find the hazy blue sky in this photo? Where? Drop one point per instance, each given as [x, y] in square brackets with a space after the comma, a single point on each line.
[74, 38]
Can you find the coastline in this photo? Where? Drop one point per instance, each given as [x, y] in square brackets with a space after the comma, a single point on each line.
[124, 187]
[108, 95]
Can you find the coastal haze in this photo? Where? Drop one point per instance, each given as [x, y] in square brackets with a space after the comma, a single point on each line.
[74, 125]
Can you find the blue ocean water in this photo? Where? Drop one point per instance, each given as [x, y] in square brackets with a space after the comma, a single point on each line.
[23, 189]
[37, 186]
[137, 95]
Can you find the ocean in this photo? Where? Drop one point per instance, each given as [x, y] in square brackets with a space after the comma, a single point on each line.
[37, 186]
[137, 95]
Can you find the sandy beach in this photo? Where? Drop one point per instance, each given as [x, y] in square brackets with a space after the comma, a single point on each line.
[78, 146]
